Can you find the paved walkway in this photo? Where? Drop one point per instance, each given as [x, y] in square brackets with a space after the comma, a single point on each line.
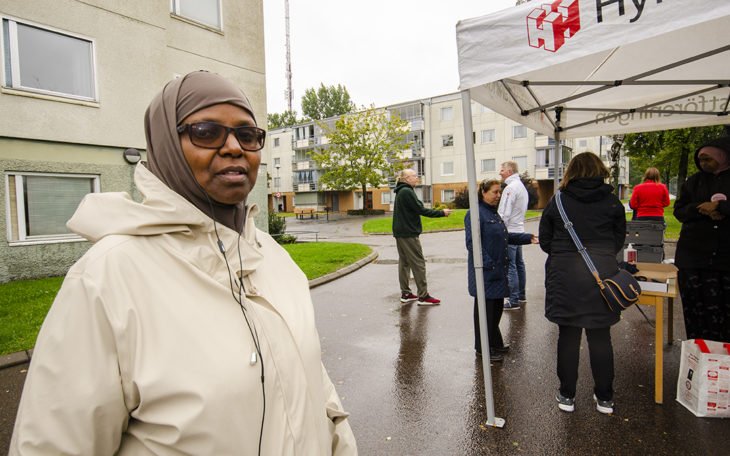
[413, 385]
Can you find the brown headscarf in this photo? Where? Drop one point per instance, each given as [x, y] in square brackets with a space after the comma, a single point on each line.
[178, 99]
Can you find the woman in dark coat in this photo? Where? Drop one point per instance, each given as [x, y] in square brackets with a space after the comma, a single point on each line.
[703, 249]
[572, 299]
[495, 238]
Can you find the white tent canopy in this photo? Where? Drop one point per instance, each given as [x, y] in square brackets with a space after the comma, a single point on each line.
[609, 67]
[578, 68]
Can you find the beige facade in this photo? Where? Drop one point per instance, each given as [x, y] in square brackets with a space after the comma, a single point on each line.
[438, 153]
[77, 79]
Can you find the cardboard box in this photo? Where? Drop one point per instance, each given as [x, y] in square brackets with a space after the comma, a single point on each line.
[662, 278]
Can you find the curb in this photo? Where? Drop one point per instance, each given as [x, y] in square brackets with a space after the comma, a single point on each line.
[14, 359]
[21, 357]
[344, 271]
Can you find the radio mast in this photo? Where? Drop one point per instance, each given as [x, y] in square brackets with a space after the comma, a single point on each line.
[288, 92]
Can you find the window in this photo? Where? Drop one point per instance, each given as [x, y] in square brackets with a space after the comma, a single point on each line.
[489, 165]
[447, 140]
[276, 142]
[277, 183]
[447, 113]
[521, 163]
[41, 204]
[519, 132]
[277, 161]
[207, 12]
[583, 143]
[50, 62]
[447, 195]
[447, 168]
[386, 198]
[487, 136]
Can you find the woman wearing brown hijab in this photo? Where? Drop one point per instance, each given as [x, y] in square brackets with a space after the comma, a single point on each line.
[173, 334]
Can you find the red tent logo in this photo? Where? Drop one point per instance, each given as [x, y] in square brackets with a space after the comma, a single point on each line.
[553, 23]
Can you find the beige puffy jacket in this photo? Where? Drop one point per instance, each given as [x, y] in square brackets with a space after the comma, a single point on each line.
[146, 352]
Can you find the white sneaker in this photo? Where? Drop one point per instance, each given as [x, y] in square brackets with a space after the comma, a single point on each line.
[603, 406]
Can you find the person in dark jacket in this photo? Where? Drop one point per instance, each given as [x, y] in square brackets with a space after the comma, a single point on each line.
[407, 212]
[703, 249]
[495, 260]
[572, 298]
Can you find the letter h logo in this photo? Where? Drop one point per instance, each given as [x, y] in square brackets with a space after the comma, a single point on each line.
[551, 24]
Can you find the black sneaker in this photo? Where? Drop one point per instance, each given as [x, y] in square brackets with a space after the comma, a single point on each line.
[508, 306]
[407, 297]
[495, 357]
[502, 350]
[566, 404]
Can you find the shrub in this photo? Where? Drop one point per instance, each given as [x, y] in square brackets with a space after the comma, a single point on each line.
[277, 225]
[461, 199]
[530, 185]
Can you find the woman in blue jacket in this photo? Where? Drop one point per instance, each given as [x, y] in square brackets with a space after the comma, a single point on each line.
[495, 239]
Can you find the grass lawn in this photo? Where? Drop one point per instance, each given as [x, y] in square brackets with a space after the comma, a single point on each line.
[23, 306]
[383, 225]
[24, 303]
[319, 258]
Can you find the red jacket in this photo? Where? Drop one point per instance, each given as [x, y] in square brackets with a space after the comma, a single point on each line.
[649, 199]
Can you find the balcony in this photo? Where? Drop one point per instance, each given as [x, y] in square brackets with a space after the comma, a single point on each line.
[309, 142]
[543, 141]
[544, 173]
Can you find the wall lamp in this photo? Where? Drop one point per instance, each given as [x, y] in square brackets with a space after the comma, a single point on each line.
[132, 156]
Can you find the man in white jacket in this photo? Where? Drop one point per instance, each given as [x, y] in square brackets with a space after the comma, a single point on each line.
[512, 208]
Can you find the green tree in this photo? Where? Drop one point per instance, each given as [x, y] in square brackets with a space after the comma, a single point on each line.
[326, 101]
[364, 148]
[670, 151]
[285, 119]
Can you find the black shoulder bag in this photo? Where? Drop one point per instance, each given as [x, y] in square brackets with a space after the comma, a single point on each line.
[621, 289]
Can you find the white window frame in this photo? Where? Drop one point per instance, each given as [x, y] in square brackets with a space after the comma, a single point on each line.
[12, 45]
[445, 139]
[175, 8]
[515, 129]
[494, 136]
[519, 160]
[386, 198]
[443, 168]
[444, 199]
[484, 162]
[19, 203]
[444, 110]
[276, 142]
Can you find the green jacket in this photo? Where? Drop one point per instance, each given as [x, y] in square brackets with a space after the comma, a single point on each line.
[407, 212]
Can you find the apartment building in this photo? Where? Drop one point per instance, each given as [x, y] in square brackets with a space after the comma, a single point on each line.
[76, 80]
[436, 150]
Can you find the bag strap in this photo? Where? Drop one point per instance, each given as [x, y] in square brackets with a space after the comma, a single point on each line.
[579, 245]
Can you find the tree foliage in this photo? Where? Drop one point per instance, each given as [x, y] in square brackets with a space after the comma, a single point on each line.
[670, 151]
[285, 119]
[365, 148]
[326, 102]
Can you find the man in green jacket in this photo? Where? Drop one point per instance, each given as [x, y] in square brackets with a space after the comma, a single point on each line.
[407, 213]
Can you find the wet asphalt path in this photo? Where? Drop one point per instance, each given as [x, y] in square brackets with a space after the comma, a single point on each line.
[413, 385]
[410, 378]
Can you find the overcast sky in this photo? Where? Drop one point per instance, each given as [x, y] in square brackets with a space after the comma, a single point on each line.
[383, 51]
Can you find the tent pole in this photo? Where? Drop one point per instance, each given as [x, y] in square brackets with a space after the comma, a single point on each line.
[558, 149]
[477, 256]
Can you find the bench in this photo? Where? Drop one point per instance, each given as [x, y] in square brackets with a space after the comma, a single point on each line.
[300, 212]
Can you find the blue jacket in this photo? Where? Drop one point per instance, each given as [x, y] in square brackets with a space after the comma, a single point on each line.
[495, 239]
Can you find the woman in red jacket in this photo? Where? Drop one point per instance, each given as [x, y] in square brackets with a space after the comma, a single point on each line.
[649, 198]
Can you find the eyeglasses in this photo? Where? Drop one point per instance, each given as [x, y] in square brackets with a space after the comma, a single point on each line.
[211, 135]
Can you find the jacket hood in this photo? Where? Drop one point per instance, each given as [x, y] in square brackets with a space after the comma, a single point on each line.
[401, 186]
[588, 189]
[721, 143]
[162, 211]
